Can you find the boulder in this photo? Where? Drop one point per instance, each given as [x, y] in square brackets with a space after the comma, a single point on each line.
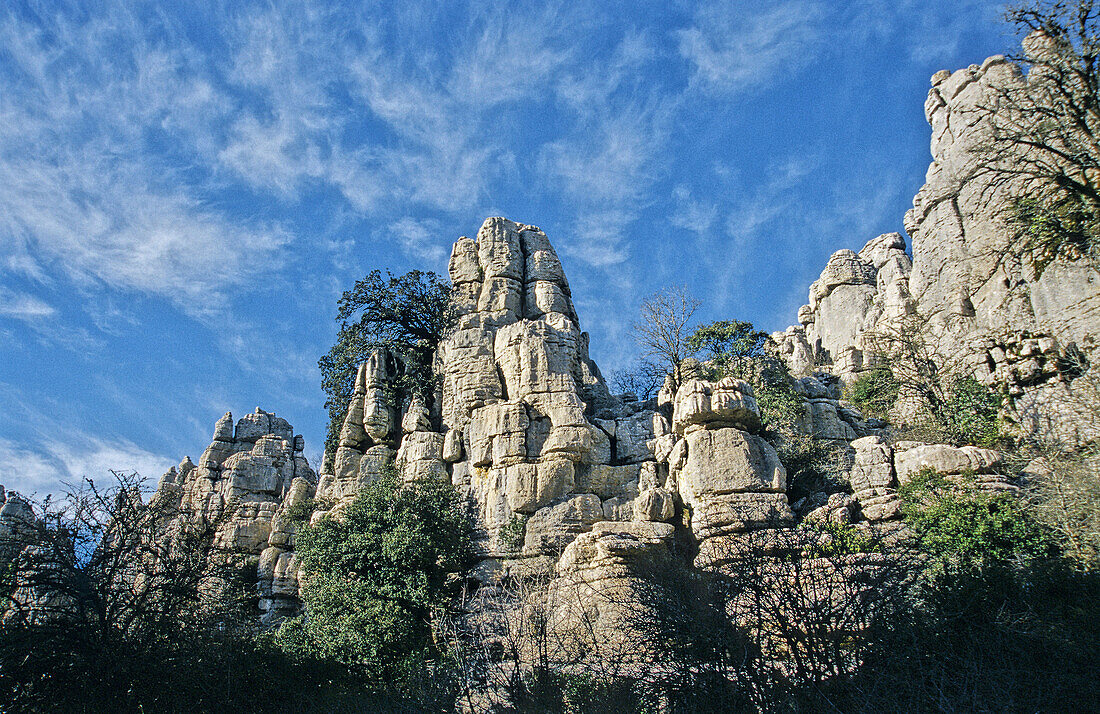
[729, 461]
[945, 459]
[729, 402]
[552, 528]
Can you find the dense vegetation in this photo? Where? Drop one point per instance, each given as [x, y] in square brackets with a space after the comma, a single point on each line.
[408, 315]
[376, 580]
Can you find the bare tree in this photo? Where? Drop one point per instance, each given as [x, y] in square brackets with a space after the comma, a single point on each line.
[1043, 146]
[663, 328]
[808, 602]
[643, 380]
[101, 586]
[1064, 490]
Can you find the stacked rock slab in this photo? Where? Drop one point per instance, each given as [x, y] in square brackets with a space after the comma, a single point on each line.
[529, 429]
[991, 314]
[609, 582]
[246, 481]
[825, 415]
[369, 432]
[730, 480]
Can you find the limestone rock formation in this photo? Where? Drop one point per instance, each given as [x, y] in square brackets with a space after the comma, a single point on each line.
[248, 482]
[976, 305]
[369, 434]
[520, 398]
[608, 581]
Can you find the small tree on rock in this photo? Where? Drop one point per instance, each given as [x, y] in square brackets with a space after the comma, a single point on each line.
[408, 314]
[662, 330]
[1044, 134]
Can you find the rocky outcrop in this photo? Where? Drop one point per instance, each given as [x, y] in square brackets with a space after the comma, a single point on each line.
[528, 429]
[608, 590]
[975, 305]
[369, 434]
[252, 483]
[880, 469]
[855, 294]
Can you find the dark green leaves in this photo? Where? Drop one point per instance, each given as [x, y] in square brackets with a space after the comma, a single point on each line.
[375, 574]
[407, 314]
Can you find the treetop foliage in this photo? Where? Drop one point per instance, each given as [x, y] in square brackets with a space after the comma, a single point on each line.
[408, 315]
[375, 575]
[405, 309]
[728, 345]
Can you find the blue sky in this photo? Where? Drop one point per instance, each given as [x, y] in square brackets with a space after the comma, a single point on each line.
[186, 191]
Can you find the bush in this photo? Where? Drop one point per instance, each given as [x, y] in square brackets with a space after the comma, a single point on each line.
[964, 527]
[376, 575]
[994, 593]
[1065, 496]
[513, 532]
[874, 393]
[971, 413]
[839, 539]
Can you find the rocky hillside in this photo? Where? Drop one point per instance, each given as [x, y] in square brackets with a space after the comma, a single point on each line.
[567, 481]
[975, 303]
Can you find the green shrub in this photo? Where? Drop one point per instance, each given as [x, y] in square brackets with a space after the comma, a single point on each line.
[580, 691]
[1062, 227]
[971, 412]
[301, 512]
[840, 539]
[513, 532]
[993, 594]
[965, 527]
[874, 393]
[375, 576]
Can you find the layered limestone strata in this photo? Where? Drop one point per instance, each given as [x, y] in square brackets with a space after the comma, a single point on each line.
[370, 432]
[247, 481]
[975, 306]
[528, 428]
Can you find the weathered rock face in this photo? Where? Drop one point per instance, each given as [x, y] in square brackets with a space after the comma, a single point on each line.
[855, 295]
[988, 315]
[608, 581]
[528, 426]
[369, 434]
[248, 480]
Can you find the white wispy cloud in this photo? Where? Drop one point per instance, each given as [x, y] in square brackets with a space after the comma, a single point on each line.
[43, 468]
[423, 240]
[607, 164]
[692, 214]
[758, 210]
[432, 142]
[23, 306]
[732, 50]
[82, 191]
[27, 471]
